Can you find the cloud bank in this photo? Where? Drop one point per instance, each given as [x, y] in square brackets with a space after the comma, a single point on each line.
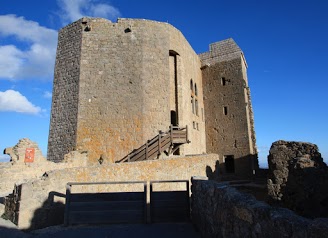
[37, 61]
[14, 101]
[32, 53]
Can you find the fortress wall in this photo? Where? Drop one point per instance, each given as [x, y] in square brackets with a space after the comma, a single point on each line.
[41, 200]
[227, 132]
[221, 211]
[62, 134]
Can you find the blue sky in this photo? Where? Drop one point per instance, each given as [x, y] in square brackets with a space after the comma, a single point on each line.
[285, 44]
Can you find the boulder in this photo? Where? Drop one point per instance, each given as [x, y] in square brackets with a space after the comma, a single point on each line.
[298, 178]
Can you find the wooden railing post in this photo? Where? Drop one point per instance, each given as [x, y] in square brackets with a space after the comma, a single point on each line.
[159, 142]
[171, 134]
[187, 139]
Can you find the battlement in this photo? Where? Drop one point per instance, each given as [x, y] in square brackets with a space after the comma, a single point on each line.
[222, 51]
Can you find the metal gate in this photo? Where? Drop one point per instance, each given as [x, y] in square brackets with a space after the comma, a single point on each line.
[163, 205]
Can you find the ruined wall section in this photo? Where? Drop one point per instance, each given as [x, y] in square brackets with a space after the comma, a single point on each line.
[42, 200]
[62, 133]
[229, 120]
[219, 210]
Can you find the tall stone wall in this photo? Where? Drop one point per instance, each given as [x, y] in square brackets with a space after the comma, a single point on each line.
[229, 115]
[124, 88]
[221, 211]
[64, 109]
[42, 200]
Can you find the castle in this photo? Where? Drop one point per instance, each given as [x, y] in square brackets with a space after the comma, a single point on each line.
[117, 85]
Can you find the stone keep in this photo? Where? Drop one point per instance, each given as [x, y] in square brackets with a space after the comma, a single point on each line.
[117, 84]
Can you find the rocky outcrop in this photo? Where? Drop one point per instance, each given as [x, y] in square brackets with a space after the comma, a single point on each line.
[298, 178]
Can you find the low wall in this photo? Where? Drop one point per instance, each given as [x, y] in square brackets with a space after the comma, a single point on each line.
[18, 173]
[221, 211]
[42, 200]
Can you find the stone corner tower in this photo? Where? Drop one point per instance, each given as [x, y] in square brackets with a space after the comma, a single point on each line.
[228, 110]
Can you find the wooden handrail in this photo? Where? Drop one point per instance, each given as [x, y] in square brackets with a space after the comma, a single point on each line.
[177, 136]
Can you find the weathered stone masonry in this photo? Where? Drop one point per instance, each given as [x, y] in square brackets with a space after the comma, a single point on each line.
[117, 84]
[229, 116]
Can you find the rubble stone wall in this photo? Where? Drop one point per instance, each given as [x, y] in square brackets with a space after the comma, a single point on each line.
[64, 107]
[42, 200]
[17, 171]
[221, 211]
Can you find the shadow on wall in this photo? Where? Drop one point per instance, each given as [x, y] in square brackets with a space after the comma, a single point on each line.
[234, 168]
[51, 213]
[306, 192]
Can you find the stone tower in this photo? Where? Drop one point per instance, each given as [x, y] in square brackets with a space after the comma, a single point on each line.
[117, 84]
[228, 109]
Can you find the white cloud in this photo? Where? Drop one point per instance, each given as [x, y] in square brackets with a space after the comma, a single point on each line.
[72, 10]
[11, 100]
[47, 94]
[11, 59]
[36, 61]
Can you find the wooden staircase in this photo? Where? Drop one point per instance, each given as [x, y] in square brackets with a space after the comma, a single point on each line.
[167, 142]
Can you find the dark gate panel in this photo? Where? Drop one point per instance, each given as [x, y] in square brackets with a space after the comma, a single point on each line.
[169, 206]
[105, 208]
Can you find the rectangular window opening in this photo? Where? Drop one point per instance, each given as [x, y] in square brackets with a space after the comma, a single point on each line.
[225, 110]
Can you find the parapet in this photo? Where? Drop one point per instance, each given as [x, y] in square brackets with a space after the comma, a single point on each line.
[222, 51]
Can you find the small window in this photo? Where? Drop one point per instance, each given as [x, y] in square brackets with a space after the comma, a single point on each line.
[192, 105]
[191, 86]
[196, 94]
[197, 126]
[193, 125]
[225, 110]
[223, 81]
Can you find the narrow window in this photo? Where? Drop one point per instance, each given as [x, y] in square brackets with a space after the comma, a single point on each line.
[202, 114]
[193, 125]
[225, 110]
[192, 97]
[196, 106]
[196, 100]
[229, 163]
[223, 81]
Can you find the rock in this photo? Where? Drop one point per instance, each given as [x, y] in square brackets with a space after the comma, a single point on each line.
[298, 178]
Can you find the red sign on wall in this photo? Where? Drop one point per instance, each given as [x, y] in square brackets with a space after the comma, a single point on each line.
[29, 155]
